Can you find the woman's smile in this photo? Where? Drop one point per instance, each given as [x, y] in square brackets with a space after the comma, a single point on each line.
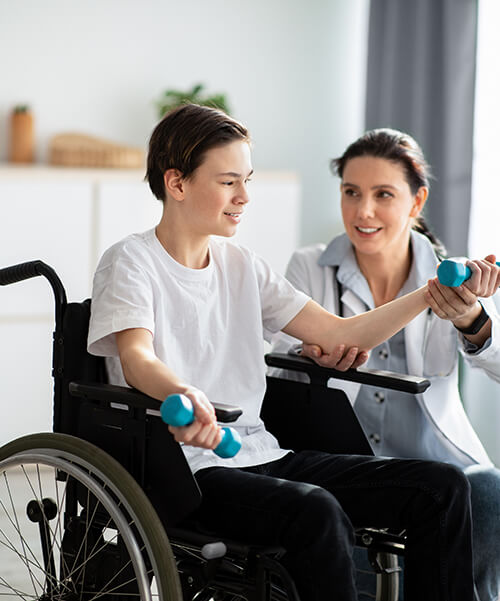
[367, 231]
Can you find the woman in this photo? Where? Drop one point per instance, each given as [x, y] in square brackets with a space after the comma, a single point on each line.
[386, 252]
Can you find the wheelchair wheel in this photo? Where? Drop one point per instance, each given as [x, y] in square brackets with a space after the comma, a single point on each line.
[76, 526]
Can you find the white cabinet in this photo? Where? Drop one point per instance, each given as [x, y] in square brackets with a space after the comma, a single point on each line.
[67, 218]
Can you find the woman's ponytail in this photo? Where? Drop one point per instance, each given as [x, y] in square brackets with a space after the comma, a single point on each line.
[421, 227]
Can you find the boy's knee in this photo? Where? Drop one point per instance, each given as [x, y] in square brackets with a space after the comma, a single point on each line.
[322, 516]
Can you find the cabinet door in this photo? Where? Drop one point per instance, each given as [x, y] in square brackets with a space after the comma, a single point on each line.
[49, 221]
[27, 389]
[124, 208]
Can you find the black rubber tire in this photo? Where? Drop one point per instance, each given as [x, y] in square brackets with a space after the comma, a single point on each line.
[120, 486]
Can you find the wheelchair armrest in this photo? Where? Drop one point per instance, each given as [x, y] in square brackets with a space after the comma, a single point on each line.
[111, 393]
[372, 377]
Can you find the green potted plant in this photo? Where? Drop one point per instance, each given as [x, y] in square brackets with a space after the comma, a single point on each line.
[171, 99]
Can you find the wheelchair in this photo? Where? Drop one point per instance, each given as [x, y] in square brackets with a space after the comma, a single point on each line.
[100, 507]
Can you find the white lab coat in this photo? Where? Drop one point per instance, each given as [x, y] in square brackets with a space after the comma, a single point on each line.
[432, 345]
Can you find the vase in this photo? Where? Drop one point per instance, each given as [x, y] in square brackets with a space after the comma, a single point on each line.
[22, 144]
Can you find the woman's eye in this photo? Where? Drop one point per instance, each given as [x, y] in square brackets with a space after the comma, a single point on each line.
[227, 183]
[385, 194]
[350, 192]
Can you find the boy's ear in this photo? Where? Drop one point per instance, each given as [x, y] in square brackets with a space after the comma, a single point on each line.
[174, 184]
[419, 201]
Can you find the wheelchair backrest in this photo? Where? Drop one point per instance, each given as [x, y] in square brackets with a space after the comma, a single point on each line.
[72, 362]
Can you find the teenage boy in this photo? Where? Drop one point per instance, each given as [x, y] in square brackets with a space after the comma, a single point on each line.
[176, 310]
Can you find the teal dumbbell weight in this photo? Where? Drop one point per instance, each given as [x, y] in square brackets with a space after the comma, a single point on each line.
[177, 410]
[453, 273]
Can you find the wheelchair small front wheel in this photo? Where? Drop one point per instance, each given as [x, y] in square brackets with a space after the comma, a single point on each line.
[76, 526]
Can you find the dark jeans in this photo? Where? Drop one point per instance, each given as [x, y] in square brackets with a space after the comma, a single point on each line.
[308, 503]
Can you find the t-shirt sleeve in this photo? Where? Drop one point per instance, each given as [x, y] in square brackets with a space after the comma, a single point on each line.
[280, 301]
[122, 298]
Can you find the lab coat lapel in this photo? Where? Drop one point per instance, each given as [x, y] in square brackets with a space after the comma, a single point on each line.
[416, 330]
[352, 306]
[352, 303]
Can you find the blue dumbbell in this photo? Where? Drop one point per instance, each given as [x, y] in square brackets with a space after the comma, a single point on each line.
[453, 273]
[177, 410]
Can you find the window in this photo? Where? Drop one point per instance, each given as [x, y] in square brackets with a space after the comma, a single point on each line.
[485, 210]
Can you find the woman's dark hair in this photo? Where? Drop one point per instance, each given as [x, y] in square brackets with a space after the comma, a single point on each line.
[181, 139]
[401, 148]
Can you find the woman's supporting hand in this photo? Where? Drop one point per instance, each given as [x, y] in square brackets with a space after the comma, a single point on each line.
[460, 304]
[339, 358]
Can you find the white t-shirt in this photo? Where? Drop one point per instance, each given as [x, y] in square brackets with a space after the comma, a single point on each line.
[208, 326]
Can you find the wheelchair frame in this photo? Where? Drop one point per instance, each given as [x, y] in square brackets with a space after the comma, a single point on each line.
[109, 438]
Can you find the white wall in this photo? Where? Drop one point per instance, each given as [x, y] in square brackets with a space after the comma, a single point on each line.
[293, 71]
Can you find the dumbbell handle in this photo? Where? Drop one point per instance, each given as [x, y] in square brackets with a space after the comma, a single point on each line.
[453, 273]
[177, 410]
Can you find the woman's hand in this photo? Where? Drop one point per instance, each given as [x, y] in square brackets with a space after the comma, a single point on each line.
[339, 358]
[485, 277]
[204, 431]
[460, 305]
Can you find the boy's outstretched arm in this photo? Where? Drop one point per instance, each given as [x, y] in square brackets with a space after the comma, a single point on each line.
[143, 370]
[316, 326]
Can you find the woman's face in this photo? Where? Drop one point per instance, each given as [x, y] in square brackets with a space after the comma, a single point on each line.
[378, 207]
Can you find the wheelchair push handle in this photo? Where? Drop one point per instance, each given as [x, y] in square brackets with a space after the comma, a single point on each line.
[20, 272]
[177, 410]
[452, 272]
[32, 269]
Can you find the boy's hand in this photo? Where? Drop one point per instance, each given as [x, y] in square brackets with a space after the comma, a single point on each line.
[339, 358]
[204, 431]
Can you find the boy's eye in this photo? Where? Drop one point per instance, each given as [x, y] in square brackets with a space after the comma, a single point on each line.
[227, 183]
[248, 180]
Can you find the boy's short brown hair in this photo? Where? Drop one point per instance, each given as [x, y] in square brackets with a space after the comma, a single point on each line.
[181, 139]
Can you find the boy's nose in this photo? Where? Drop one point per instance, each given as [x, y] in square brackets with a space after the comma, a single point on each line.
[242, 197]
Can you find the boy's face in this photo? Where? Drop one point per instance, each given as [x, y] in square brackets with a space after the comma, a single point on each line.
[216, 194]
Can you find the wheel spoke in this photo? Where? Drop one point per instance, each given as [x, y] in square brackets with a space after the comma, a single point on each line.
[24, 544]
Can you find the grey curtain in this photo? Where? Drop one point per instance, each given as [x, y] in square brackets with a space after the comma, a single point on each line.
[421, 78]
